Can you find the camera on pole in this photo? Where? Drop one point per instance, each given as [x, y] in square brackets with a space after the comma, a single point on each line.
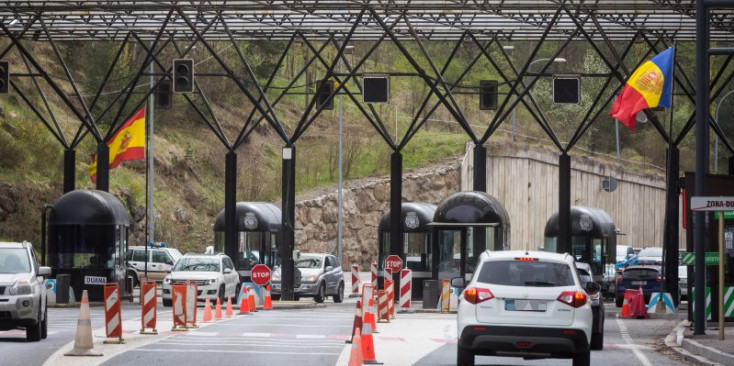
[183, 75]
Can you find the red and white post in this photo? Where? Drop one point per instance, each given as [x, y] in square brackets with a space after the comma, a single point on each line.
[373, 267]
[149, 301]
[112, 315]
[406, 284]
[192, 292]
[178, 295]
[355, 280]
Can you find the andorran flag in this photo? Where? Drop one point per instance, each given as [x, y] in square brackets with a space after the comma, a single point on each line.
[127, 144]
[650, 86]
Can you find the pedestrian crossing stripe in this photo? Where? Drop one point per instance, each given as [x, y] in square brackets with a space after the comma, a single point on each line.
[728, 302]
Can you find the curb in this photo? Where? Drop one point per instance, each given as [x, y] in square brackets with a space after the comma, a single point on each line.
[709, 353]
[296, 305]
[685, 348]
[615, 314]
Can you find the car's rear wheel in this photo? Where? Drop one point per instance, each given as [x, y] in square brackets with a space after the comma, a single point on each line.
[33, 332]
[44, 324]
[222, 298]
[582, 359]
[597, 341]
[464, 357]
[321, 295]
[619, 301]
[135, 278]
[339, 297]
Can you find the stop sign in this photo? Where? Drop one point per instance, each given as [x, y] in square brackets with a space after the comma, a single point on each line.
[393, 263]
[260, 274]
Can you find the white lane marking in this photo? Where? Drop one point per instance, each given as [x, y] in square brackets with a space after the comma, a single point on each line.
[252, 324]
[258, 344]
[169, 350]
[626, 336]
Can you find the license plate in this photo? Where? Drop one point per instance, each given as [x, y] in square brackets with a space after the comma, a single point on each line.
[639, 283]
[526, 305]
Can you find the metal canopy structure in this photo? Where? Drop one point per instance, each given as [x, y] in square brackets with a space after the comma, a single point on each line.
[510, 20]
[172, 28]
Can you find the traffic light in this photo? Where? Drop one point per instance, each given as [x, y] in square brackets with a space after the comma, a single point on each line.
[4, 76]
[375, 89]
[183, 75]
[488, 95]
[326, 87]
[163, 94]
[566, 90]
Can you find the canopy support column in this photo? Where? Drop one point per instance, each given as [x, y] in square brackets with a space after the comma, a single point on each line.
[288, 200]
[396, 210]
[103, 167]
[230, 206]
[670, 235]
[564, 204]
[69, 171]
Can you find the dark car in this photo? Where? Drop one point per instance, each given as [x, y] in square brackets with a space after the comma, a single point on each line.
[597, 305]
[650, 278]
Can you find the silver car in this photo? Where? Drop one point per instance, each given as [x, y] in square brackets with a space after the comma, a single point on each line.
[22, 294]
[320, 276]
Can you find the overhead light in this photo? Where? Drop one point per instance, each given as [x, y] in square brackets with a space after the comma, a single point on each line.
[508, 48]
[14, 21]
[559, 60]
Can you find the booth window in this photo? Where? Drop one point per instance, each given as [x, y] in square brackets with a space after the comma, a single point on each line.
[91, 249]
[417, 251]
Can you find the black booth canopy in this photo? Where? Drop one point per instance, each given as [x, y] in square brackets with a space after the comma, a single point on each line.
[470, 208]
[253, 216]
[585, 220]
[88, 207]
[415, 218]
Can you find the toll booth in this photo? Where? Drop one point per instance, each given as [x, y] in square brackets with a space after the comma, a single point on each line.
[417, 238]
[716, 185]
[593, 239]
[465, 225]
[87, 239]
[258, 236]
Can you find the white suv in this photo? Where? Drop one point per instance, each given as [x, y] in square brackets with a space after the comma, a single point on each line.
[524, 304]
[22, 294]
[214, 273]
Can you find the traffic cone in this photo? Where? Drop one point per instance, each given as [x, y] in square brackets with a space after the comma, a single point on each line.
[357, 320]
[355, 358]
[229, 307]
[218, 310]
[368, 345]
[625, 313]
[268, 303]
[244, 303]
[253, 304]
[83, 343]
[207, 312]
[373, 316]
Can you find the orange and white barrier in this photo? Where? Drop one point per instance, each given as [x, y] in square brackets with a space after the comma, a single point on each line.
[406, 284]
[192, 297]
[390, 288]
[383, 313]
[178, 295]
[149, 301]
[368, 314]
[355, 279]
[253, 300]
[268, 303]
[244, 301]
[373, 269]
[112, 316]
[445, 296]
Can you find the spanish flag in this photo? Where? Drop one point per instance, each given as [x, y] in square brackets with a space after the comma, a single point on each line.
[650, 86]
[127, 144]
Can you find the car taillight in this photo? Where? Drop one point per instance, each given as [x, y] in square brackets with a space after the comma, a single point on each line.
[476, 295]
[574, 298]
[619, 279]
[659, 278]
[526, 259]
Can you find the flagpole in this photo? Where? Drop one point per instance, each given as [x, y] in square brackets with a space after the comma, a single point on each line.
[150, 171]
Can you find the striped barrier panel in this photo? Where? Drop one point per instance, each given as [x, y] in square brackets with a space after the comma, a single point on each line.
[178, 298]
[113, 318]
[355, 279]
[445, 296]
[664, 298]
[390, 288]
[406, 283]
[373, 269]
[192, 290]
[149, 308]
[383, 307]
[728, 302]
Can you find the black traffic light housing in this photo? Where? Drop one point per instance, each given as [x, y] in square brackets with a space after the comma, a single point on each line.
[488, 95]
[326, 87]
[183, 75]
[375, 89]
[566, 90]
[4, 76]
[163, 94]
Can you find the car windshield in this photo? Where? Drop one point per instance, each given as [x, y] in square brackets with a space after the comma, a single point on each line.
[14, 260]
[308, 262]
[651, 252]
[639, 273]
[175, 254]
[193, 264]
[523, 273]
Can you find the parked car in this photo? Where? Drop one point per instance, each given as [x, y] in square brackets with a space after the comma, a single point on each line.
[633, 277]
[597, 304]
[214, 273]
[22, 293]
[319, 276]
[683, 282]
[652, 256]
[160, 260]
[524, 304]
